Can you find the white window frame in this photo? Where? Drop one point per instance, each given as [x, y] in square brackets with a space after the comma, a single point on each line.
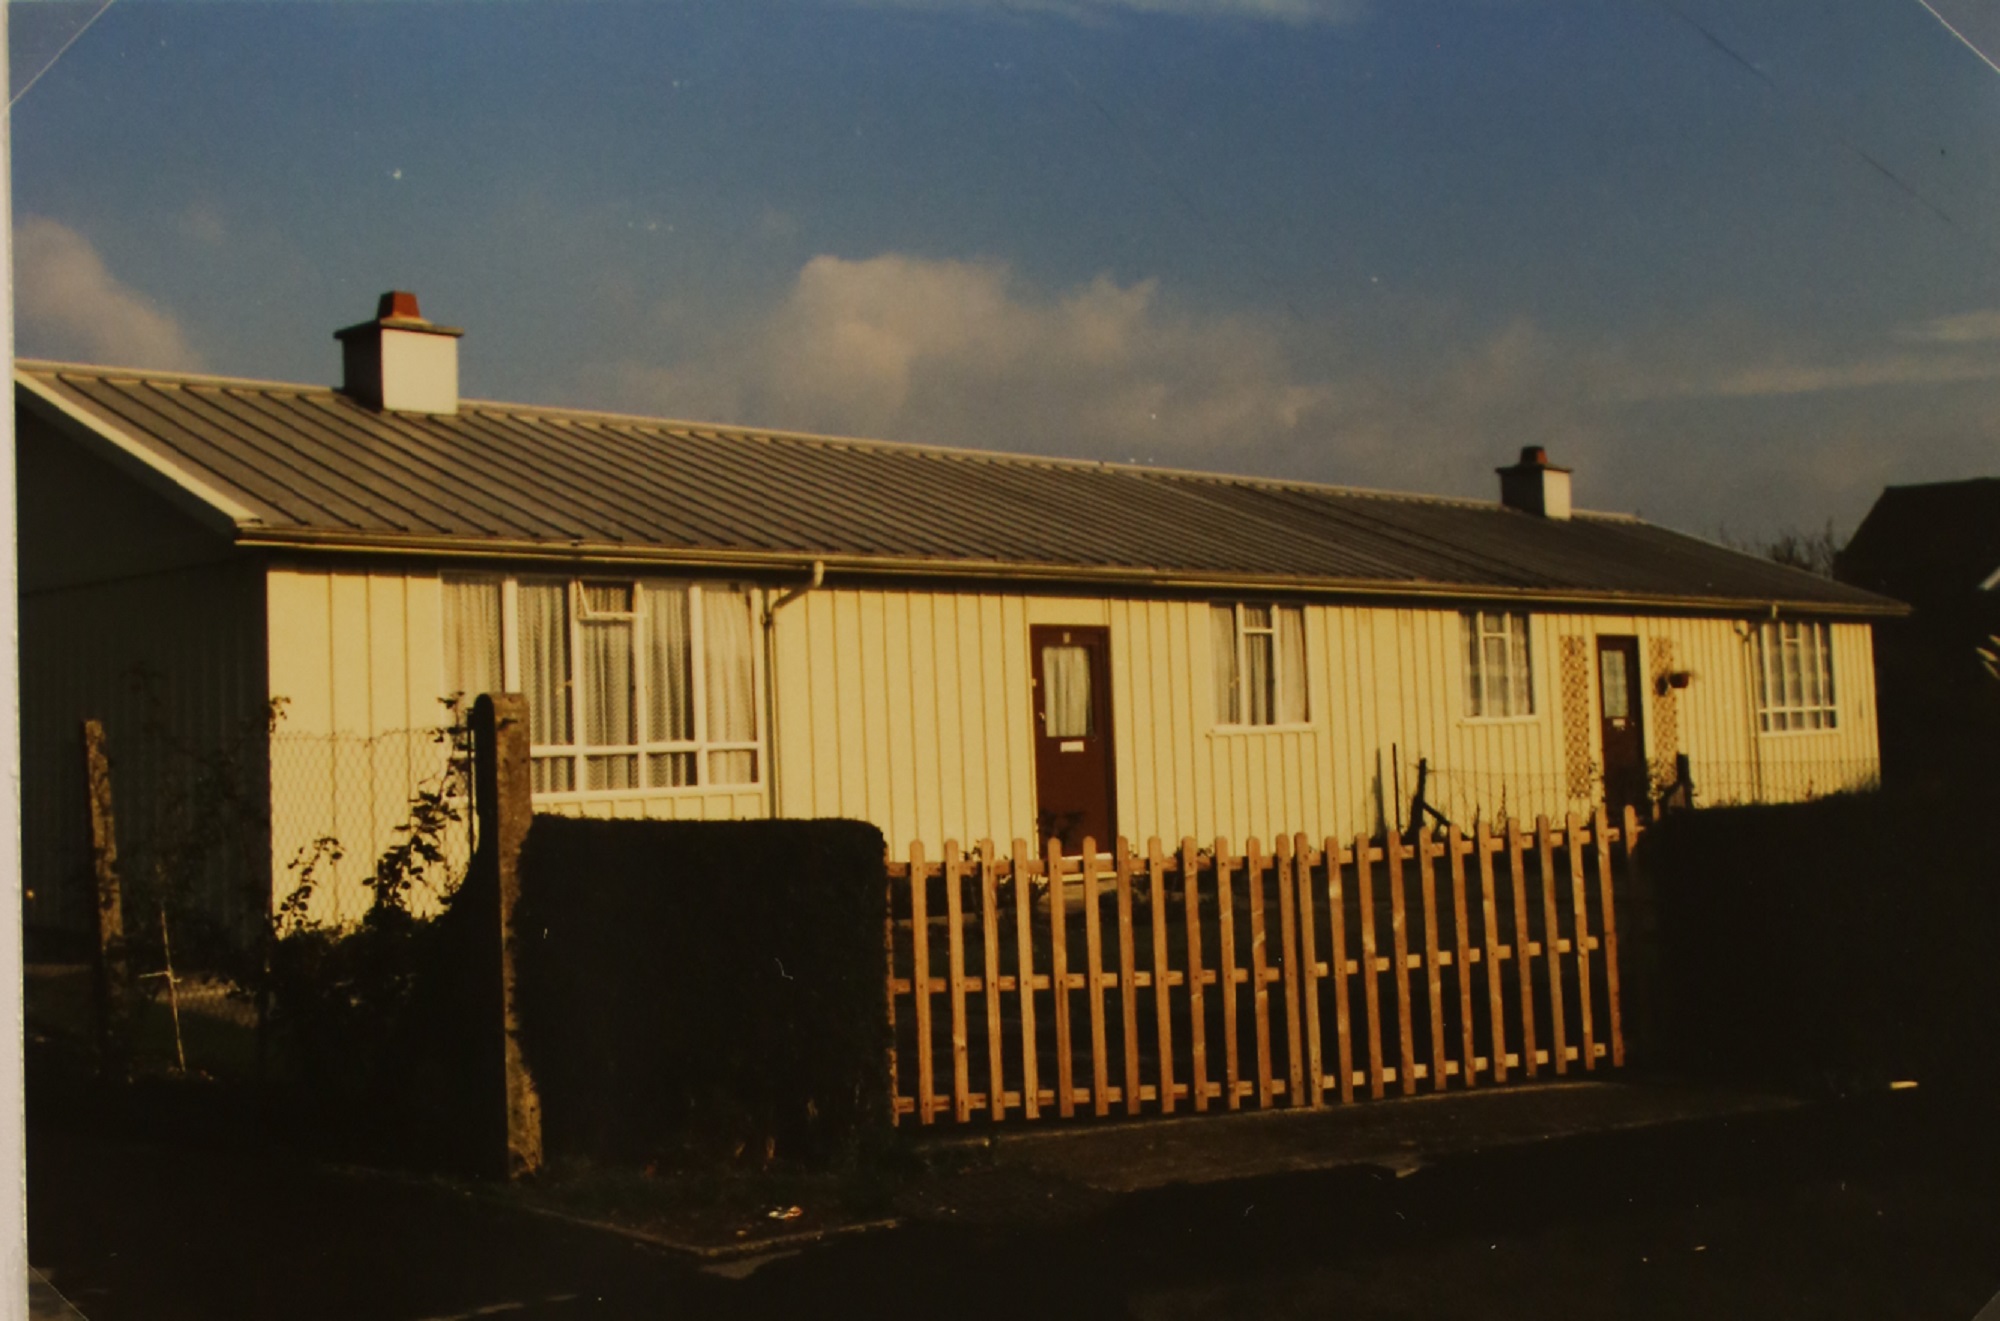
[1781, 713]
[699, 747]
[1239, 637]
[1472, 626]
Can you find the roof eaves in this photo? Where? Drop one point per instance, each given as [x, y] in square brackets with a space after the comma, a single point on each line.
[114, 443]
[1866, 604]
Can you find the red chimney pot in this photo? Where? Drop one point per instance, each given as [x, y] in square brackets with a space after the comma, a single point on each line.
[400, 304]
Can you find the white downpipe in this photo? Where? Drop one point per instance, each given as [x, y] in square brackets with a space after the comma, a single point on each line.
[771, 608]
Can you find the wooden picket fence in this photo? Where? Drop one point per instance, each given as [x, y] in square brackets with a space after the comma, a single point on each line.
[1176, 962]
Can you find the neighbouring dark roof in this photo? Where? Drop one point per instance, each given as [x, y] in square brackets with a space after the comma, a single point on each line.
[293, 464]
[1927, 543]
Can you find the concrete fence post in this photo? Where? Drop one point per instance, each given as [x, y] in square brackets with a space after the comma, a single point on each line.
[109, 979]
[503, 806]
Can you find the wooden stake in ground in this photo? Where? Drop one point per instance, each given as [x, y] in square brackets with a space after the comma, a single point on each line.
[173, 992]
[111, 974]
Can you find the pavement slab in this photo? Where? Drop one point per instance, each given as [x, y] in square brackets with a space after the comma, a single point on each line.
[1400, 1135]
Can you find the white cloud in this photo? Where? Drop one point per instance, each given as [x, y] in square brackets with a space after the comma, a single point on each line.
[960, 353]
[1945, 350]
[1782, 378]
[69, 305]
[1297, 12]
[1978, 327]
[1693, 428]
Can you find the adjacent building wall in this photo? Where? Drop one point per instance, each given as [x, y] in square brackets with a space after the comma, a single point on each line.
[140, 617]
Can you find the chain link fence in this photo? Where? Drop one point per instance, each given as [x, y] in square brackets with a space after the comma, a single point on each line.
[220, 848]
[1468, 797]
[340, 803]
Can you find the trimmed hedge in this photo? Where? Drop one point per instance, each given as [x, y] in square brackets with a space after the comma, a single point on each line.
[690, 989]
[1847, 941]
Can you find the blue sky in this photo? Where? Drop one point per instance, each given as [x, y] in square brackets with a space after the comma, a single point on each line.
[1739, 265]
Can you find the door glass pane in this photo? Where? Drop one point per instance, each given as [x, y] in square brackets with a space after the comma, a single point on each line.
[1611, 680]
[1066, 691]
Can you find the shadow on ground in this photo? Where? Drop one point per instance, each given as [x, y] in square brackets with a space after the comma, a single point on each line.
[1878, 1206]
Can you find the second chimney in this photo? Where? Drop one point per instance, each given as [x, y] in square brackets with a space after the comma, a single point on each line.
[400, 362]
[1535, 486]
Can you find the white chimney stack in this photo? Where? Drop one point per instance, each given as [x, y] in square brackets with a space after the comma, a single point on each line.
[400, 362]
[1535, 486]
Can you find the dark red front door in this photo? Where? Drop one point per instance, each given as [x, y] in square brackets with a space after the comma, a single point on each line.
[1619, 699]
[1073, 778]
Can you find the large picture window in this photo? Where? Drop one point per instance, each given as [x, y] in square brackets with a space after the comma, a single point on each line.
[1499, 668]
[1794, 676]
[1260, 664]
[632, 684]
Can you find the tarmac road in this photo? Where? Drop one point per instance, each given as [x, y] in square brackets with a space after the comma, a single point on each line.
[1887, 1206]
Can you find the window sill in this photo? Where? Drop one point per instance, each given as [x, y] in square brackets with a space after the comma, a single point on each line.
[632, 795]
[1528, 719]
[1824, 732]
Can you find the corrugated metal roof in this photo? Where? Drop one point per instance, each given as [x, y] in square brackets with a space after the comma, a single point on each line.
[305, 464]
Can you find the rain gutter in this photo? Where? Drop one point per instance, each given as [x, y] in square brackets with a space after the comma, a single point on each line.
[1112, 576]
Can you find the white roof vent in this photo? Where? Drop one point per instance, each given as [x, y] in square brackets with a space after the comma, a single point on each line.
[400, 362]
[1535, 486]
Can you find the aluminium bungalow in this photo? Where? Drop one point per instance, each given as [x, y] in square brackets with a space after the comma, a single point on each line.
[722, 622]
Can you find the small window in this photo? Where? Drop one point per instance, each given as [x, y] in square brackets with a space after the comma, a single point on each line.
[1260, 664]
[1794, 676]
[1499, 671]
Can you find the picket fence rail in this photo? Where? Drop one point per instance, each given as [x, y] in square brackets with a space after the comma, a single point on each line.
[1180, 946]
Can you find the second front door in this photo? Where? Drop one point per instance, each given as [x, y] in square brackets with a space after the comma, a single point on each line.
[1074, 793]
[1625, 781]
